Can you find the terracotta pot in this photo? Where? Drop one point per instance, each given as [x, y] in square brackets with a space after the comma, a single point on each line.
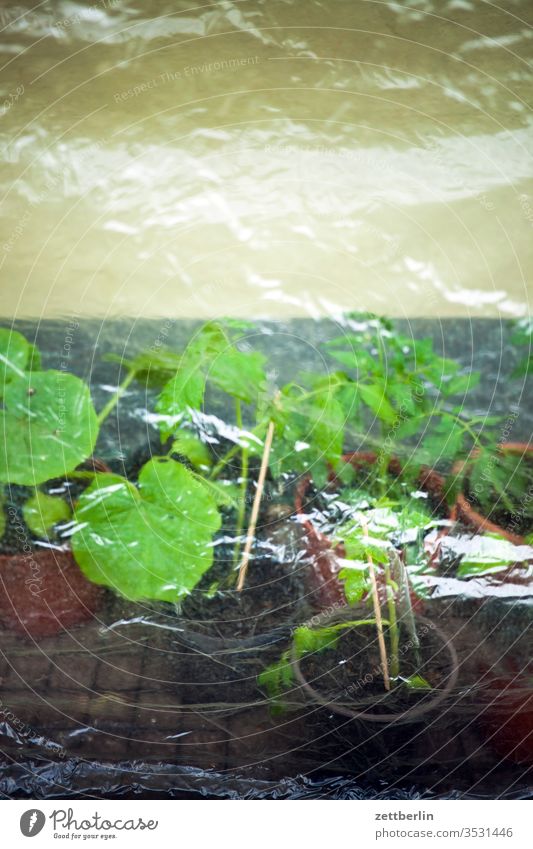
[43, 592]
[444, 691]
[464, 511]
[324, 556]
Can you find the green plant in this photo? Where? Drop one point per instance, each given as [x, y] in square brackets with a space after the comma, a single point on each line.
[48, 424]
[153, 538]
[368, 545]
[42, 512]
[150, 541]
[402, 386]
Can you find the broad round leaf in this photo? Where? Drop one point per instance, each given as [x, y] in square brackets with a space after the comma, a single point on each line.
[154, 542]
[47, 427]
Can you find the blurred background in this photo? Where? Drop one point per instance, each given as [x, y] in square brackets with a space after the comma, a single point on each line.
[266, 158]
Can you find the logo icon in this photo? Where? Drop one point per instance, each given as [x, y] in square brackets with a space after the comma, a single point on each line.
[32, 822]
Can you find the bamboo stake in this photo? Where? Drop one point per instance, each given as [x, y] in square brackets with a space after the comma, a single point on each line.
[377, 613]
[255, 507]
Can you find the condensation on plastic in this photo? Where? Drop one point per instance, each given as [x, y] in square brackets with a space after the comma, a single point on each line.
[267, 158]
[273, 159]
[144, 699]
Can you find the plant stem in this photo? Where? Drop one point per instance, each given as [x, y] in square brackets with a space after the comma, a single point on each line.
[401, 576]
[103, 414]
[244, 487]
[377, 613]
[255, 508]
[217, 468]
[393, 626]
[383, 467]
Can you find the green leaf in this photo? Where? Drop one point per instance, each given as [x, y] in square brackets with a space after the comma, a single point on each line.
[179, 397]
[403, 397]
[356, 582]
[461, 383]
[309, 430]
[223, 493]
[14, 356]
[191, 446]
[239, 374]
[41, 512]
[154, 367]
[47, 428]
[346, 358]
[2, 514]
[374, 397]
[410, 427]
[501, 479]
[416, 682]
[277, 677]
[34, 359]
[311, 640]
[358, 546]
[445, 442]
[210, 357]
[154, 542]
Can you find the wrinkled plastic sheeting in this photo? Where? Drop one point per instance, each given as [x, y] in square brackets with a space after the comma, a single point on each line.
[81, 779]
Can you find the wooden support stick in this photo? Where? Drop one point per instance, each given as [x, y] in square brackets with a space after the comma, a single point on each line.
[255, 507]
[377, 613]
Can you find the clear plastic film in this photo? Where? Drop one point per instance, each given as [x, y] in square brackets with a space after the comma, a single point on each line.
[266, 506]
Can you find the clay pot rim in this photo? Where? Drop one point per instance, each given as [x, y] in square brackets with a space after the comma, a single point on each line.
[461, 507]
[390, 719]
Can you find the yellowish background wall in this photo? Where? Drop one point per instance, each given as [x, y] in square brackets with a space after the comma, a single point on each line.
[266, 158]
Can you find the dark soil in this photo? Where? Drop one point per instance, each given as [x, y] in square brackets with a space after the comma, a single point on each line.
[350, 674]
